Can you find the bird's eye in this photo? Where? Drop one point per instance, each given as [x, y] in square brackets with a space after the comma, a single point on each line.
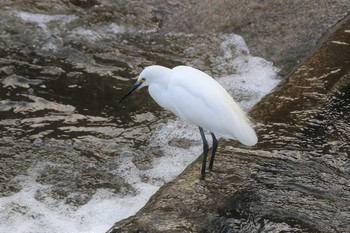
[143, 79]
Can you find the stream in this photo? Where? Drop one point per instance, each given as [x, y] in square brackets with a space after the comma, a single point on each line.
[72, 159]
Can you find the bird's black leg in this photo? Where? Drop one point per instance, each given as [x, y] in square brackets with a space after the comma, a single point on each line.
[213, 151]
[205, 152]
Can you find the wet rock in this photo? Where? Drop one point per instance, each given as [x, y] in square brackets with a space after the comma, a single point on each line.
[155, 151]
[293, 180]
[85, 180]
[180, 143]
[38, 143]
[8, 186]
[85, 3]
[143, 162]
[286, 39]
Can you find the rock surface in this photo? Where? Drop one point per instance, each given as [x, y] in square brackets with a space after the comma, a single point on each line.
[284, 32]
[296, 179]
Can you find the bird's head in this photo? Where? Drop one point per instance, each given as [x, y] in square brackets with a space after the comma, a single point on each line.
[151, 74]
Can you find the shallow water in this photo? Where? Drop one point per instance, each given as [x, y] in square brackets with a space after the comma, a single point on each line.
[72, 160]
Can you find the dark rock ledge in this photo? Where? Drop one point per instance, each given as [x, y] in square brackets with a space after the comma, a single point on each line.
[297, 179]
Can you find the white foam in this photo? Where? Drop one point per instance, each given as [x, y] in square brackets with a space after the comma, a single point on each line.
[245, 77]
[22, 212]
[15, 81]
[50, 40]
[42, 104]
[96, 34]
[42, 19]
[176, 159]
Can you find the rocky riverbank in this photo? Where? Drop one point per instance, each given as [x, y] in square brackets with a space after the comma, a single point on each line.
[297, 178]
[71, 159]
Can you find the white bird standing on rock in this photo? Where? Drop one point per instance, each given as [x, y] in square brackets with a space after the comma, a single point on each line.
[196, 97]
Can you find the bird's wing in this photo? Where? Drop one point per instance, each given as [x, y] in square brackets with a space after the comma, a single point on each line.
[198, 98]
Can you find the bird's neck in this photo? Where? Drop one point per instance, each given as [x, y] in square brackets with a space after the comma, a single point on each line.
[159, 93]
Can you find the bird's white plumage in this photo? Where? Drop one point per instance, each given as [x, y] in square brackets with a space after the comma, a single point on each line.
[196, 97]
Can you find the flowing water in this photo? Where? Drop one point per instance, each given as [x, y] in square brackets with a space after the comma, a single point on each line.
[71, 159]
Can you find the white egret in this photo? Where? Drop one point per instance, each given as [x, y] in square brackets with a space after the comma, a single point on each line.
[196, 97]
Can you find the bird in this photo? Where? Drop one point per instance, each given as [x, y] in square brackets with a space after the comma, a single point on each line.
[196, 97]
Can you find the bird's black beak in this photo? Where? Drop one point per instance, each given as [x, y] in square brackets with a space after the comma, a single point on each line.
[134, 87]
